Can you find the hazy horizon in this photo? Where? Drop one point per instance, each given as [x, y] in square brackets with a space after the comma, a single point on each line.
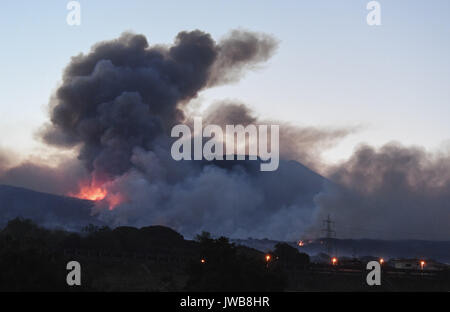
[87, 111]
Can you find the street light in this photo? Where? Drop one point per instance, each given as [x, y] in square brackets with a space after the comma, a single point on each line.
[268, 258]
[381, 261]
[334, 260]
[422, 264]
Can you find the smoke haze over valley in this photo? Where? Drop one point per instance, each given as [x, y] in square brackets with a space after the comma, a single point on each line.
[115, 107]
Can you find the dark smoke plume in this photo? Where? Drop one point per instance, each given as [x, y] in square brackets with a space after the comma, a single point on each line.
[391, 192]
[303, 144]
[62, 179]
[126, 94]
[117, 104]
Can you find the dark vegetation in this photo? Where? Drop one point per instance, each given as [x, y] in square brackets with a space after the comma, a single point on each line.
[225, 267]
[152, 258]
[157, 258]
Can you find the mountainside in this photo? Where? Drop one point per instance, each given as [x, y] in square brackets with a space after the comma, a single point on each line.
[283, 200]
[44, 209]
[73, 214]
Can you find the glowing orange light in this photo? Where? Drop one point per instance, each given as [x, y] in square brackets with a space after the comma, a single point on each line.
[203, 261]
[98, 193]
[334, 260]
[114, 200]
[381, 260]
[422, 264]
[301, 243]
[268, 258]
[90, 193]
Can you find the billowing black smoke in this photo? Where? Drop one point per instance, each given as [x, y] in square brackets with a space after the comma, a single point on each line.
[116, 106]
[303, 144]
[125, 94]
[390, 192]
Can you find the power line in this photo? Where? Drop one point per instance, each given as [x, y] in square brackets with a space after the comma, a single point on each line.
[329, 234]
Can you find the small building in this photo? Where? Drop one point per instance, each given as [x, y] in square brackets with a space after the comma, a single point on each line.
[416, 265]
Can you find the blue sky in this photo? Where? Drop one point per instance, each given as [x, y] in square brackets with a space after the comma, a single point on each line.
[331, 68]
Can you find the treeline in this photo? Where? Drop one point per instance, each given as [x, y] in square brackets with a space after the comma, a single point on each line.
[34, 259]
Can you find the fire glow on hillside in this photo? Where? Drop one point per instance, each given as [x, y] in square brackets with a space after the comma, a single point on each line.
[95, 193]
[90, 193]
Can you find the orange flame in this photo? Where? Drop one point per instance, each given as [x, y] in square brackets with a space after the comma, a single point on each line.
[422, 264]
[99, 193]
[90, 193]
[114, 200]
